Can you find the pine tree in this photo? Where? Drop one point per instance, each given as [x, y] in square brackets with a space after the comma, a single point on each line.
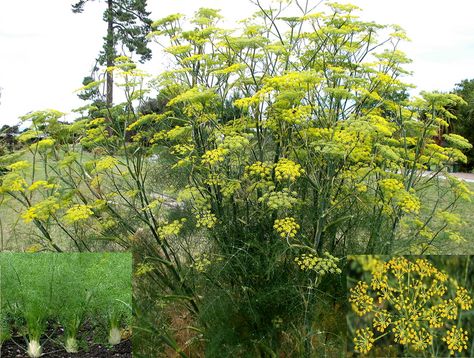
[127, 27]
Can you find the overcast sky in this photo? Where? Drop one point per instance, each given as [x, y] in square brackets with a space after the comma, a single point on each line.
[46, 50]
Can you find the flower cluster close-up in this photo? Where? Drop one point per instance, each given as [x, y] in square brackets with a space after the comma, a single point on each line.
[408, 302]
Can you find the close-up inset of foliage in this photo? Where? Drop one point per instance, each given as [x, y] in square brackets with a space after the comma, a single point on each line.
[411, 306]
[65, 303]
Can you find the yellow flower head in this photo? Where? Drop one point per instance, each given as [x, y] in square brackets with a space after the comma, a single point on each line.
[287, 169]
[364, 340]
[42, 210]
[287, 227]
[463, 298]
[206, 219]
[21, 165]
[78, 213]
[259, 170]
[201, 263]
[13, 182]
[45, 144]
[171, 229]
[456, 340]
[214, 156]
[40, 184]
[322, 265]
[361, 301]
[106, 163]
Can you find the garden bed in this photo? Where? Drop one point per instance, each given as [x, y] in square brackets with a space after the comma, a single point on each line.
[65, 305]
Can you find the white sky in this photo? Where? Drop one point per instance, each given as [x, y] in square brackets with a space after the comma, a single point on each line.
[46, 50]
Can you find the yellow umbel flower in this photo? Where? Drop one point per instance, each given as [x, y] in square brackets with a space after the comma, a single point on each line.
[77, 213]
[456, 340]
[40, 184]
[277, 200]
[287, 169]
[287, 227]
[421, 339]
[361, 302]
[322, 265]
[409, 203]
[44, 144]
[206, 219]
[412, 303]
[41, 210]
[106, 163]
[13, 182]
[391, 186]
[463, 299]
[21, 165]
[364, 340]
[171, 229]
[382, 320]
[214, 156]
[201, 263]
[260, 170]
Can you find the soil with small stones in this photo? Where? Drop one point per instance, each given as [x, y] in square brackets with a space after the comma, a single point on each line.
[52, 348]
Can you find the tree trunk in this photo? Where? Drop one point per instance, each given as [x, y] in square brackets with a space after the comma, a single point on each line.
[110, 53]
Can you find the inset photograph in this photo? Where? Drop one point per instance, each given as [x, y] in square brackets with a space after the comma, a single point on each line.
[410, 306]
[65, 305]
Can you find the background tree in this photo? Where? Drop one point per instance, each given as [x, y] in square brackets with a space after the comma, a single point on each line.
[8, 137]
[465, 114]
[127, 27]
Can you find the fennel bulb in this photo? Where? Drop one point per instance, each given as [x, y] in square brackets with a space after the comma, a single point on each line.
[34, 349]
[114, 336]
[71, 345]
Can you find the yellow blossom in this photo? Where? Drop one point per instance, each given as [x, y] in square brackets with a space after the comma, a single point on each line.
[41, 210]
[463, 298]
[44, 144]
[13, 182]
[106, 163]
[364, 340]
[287, 227]
[322, 265]
[361, 302]
[171, 229]
[287, 169]
[40, 184]
[201, 263]
[21, 165]
[77, 213]
[261, 170]
[456, 340]
[214, 156]
[206, 219]
[409, 203]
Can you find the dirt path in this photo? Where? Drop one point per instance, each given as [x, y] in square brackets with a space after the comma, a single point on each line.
[469, 177]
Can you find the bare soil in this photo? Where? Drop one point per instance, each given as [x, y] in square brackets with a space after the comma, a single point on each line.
[52, 348]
